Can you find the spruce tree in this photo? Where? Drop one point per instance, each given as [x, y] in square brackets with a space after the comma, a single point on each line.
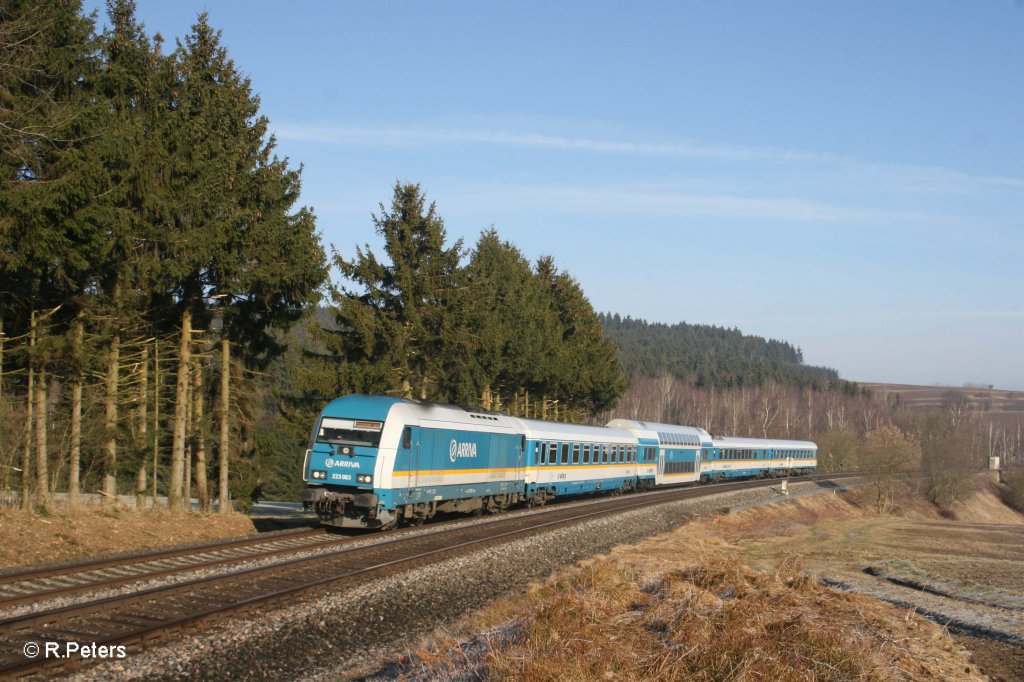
[230, 239]
[392, 324]
[48, 121]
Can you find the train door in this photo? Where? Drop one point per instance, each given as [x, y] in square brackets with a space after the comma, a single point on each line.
[520, 457]
[411, 444]
[661, 465]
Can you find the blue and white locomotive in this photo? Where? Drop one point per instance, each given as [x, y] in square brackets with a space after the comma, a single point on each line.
[375, 461]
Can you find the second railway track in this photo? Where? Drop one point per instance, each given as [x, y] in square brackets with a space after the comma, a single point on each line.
[154, 613]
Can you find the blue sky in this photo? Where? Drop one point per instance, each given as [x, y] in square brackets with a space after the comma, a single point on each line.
[848, 177]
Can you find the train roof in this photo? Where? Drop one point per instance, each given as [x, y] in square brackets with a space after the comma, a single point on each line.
[654, 429]
[542, 430]
[761, 443]
[380, 408]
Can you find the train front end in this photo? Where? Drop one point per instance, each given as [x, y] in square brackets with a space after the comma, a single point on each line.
[350, 451]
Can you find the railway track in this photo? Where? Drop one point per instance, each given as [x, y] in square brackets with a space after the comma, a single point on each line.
[37, 585]
[154, 613]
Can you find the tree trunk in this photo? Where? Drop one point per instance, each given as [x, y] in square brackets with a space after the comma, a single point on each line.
[140, 502]
[180, 408]
[189, 443]
[1, 355]
[140, 488]
[74, 484]
[42, 451]
[225, 403]
[110, 420]
[199, 445]
[26, 455]
[156, 416]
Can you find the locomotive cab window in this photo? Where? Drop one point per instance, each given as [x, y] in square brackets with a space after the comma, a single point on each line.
[345, 432]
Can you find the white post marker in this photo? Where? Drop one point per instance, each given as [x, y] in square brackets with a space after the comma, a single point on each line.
[785, 491]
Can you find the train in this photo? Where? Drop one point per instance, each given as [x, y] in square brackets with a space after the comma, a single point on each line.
[377, 462]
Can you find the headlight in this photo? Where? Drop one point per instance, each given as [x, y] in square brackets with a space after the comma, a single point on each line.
[320, 474]
[364, 478]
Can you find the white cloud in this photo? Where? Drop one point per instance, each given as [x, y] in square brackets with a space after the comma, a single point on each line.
[911, 177]
[665, 201]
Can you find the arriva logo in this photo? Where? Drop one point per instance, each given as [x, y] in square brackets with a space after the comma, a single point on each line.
[331, 463]
[457, 449]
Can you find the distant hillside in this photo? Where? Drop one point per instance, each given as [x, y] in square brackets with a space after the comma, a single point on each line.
[713, 356]
[1004, 407]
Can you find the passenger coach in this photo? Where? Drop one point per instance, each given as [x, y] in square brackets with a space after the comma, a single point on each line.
[730, 457]
[569, 459]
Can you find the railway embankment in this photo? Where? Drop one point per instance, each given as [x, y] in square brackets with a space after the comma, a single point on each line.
[345, 633]
[817, 583]
[29, 538]
[818, 587]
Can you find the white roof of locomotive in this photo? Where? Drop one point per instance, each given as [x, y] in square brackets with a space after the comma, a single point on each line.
[411, 412]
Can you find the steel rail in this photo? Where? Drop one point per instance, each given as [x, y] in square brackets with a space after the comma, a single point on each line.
[147, 555]
[139, 571]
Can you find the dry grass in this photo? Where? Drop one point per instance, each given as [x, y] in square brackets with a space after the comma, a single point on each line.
[713, 620]
[30, 538]
[731, 597]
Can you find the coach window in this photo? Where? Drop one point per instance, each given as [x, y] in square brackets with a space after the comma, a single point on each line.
[565, 453]
[586, 453]
[575, 453]
[543, 453]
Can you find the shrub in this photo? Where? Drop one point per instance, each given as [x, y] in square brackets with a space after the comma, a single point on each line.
[1013, 489]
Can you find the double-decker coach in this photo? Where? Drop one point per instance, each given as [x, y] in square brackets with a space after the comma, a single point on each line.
[672, 452]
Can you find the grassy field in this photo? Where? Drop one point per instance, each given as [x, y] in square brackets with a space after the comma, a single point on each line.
[814, 588]
[1005, 407]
